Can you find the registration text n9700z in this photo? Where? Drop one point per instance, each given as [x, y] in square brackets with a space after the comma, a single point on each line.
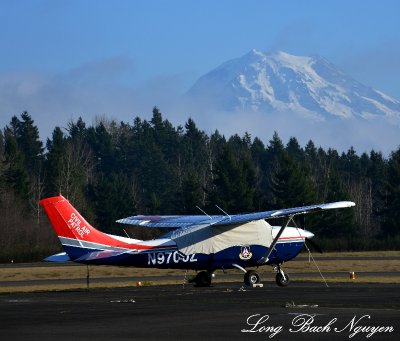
[169, 257]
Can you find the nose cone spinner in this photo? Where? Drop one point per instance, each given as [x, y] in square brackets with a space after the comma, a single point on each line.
[307, 234]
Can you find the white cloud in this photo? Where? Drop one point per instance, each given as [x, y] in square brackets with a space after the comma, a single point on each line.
[336, 133]
[100, 88]
[103, 88]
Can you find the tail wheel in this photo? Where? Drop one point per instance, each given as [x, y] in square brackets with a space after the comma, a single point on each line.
[251, 277]
[203, 279]
[282, 279]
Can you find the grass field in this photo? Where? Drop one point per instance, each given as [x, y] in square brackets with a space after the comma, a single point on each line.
[335, 266]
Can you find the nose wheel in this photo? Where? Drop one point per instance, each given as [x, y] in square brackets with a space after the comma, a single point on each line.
[282, 278]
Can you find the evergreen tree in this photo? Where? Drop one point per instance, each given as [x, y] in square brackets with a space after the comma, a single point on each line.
[214, 147]
[313, 167]
[275, 151]
[152, 168]
[190, 195]
[336, 223]
[392, 205]
[76, 165]
[260, 159]
[54, 161]
[29, 142]
[16, 175]
[290, 185]
[77, 130]
[193, 167]
[235, 182]
[294, 150]
[378, 175]
[2, 162]
[112, 198]
[99, 140]
[350, 163]
[194, 142]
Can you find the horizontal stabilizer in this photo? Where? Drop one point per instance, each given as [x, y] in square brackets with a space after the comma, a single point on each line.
[97, 255]
[59, 257]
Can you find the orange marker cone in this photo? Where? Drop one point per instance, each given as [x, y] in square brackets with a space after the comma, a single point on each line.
[352, 275]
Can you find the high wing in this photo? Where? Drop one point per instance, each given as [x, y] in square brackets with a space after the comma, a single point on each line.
[172, 222]
[176, 222]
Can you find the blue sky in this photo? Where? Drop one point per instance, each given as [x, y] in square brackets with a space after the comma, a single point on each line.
[63, 58]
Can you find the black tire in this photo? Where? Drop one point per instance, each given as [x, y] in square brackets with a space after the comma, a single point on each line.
[203, 279]
[282, 281]
[251, 277]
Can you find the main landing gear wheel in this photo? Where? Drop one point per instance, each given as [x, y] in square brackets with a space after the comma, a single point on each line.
[203, 279]
[251, 277]
[282, 278]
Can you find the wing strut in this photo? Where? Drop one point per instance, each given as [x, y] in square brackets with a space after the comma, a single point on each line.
[265, 258]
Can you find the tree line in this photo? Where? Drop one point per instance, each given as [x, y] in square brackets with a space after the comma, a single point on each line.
[110, 170]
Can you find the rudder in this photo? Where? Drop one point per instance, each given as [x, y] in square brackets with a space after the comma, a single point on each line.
[76, 235]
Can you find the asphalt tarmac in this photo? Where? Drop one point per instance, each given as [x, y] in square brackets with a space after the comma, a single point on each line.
[225, 311]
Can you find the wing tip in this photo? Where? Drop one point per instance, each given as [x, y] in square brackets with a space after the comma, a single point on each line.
[338, 204]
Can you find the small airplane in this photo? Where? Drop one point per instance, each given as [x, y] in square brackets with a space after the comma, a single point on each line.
[195, 242]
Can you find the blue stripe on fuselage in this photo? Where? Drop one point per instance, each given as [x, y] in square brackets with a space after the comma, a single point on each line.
[167, 259]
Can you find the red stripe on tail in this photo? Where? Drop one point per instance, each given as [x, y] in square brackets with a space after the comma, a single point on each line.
[68, 222]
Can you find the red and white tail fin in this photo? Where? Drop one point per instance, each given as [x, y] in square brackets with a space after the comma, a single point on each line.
[80, 240]
[69, 224]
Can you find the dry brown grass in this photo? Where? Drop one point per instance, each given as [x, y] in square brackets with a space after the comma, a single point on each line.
[368, 262]
[344, 266]
[79, 271]
[361, 254]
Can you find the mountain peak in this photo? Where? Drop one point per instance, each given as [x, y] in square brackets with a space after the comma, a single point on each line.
[256, 52]
[279, 57]
[279, 81]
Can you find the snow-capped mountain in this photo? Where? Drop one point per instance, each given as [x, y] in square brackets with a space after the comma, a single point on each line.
[280, 82]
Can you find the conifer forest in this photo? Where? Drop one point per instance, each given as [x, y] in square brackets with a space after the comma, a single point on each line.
[110, 170]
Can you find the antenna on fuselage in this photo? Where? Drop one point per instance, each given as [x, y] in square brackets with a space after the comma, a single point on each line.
[203, 212]
[224, 212]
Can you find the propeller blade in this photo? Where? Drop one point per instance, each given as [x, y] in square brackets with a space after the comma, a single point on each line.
[314, 245]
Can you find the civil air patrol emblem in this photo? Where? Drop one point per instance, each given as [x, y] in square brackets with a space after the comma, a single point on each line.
[245, 253]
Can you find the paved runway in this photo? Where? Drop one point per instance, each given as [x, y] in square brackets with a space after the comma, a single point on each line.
[221, 312]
